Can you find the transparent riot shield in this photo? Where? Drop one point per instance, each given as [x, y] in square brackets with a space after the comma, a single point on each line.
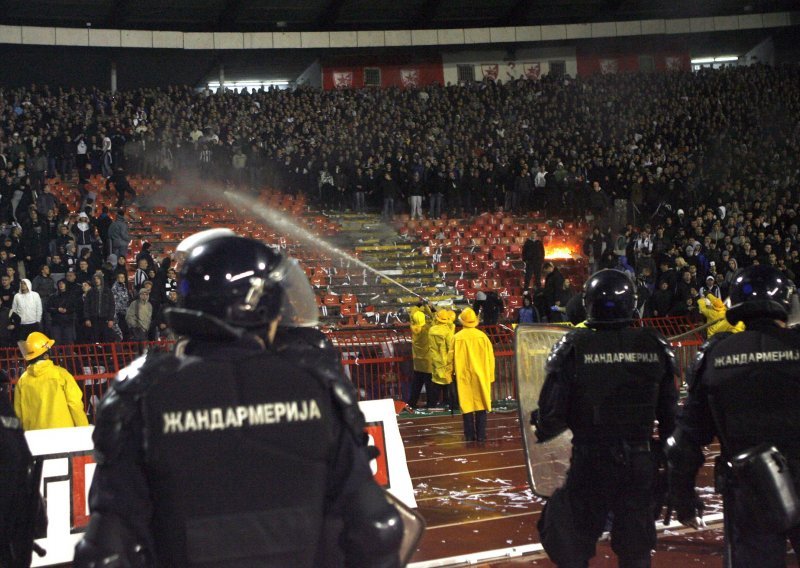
[548, 461]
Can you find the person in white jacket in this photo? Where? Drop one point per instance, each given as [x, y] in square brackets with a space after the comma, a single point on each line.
[27, 306]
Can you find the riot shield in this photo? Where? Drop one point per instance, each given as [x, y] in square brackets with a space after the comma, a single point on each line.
[548, 461]
[413, 527]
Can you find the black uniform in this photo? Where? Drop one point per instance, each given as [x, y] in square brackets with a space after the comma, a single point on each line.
[233, 454]
[20, 509]
[607, 385]
[745, 389]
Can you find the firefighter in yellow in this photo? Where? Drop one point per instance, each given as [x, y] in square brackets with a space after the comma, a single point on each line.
[713, 309]
[46, 395]
[474, 367]
[440, 338]
[420, 324]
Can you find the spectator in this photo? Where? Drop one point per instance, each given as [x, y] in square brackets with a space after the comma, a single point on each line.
[119, 236]
[122, 299]
[415, 192]
[491, 308]
[82, 232]
[527, 313]
[389, 193]
[140, 277]
[553, 286]
[162, 326]
[27, 306]
[533, 255]
[121, 186]
[474, 368]
[98, 312]
[46, 395]
[43, 284]
[62, 308]
[139, 316]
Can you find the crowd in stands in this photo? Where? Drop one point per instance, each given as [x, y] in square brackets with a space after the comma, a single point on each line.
[80, 292]
[704, 165]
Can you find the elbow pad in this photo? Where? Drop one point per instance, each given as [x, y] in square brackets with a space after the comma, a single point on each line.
[375, 531]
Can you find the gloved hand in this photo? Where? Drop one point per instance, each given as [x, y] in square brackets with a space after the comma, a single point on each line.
[534, 417]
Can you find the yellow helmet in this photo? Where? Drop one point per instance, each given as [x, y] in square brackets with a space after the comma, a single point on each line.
[35, 345]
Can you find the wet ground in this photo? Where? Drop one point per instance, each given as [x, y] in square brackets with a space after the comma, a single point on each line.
[480, 510]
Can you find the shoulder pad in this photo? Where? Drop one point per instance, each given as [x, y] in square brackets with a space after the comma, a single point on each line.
[693, 377]
[119, 410]
[136, 377]
[344, 396]
[561, 350]
[307, 347]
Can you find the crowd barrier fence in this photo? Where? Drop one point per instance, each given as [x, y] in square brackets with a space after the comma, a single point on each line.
[377, 361]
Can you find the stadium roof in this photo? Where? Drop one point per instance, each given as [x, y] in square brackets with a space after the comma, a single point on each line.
[312, 15]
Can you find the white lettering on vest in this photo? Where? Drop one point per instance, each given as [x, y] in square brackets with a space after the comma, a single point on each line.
[756, 357]
[608, 358]
[210, 419]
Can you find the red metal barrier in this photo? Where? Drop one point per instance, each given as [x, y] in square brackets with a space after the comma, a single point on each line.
[377, 361]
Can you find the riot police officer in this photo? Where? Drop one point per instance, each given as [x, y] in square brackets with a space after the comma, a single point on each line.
[608, 383]
[227, 452]
[745, 389]
[21, 511]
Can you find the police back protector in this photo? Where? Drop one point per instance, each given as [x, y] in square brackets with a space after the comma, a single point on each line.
[753, 382]
[237, 453]
[616, 384]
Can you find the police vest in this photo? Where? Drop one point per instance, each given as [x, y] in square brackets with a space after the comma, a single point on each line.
[753, 381]
[237, 457]
[616, 384]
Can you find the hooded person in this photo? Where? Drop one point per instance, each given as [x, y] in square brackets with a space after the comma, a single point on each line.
[714, 310]
[474, 367]
[27, 306]
[82, 231]
[420, 325]
[46, 395]
[440, 346]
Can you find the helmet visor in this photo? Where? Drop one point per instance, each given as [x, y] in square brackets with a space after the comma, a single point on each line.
[298, 304]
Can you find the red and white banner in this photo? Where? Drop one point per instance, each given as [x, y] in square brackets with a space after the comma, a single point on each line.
[342, 79]
[609, 66]
[533, 71]
[673, 63]
[409, 78]
[490, 71]
[68, 468]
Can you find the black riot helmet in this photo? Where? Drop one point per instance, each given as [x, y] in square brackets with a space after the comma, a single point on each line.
[609, 297]
[241, 282]
[760, 292]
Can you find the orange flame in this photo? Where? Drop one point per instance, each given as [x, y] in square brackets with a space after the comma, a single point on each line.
[558, 252]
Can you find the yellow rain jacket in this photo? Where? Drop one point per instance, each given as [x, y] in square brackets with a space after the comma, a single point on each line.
[474, 365]
[713, 309]
[440, 338]
[420, 348]
[47, 396]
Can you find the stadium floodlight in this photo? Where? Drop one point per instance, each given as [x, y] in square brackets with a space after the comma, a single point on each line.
[719, 59]
[250, 84]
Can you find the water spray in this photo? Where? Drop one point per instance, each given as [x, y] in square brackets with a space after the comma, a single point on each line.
[283, 223]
